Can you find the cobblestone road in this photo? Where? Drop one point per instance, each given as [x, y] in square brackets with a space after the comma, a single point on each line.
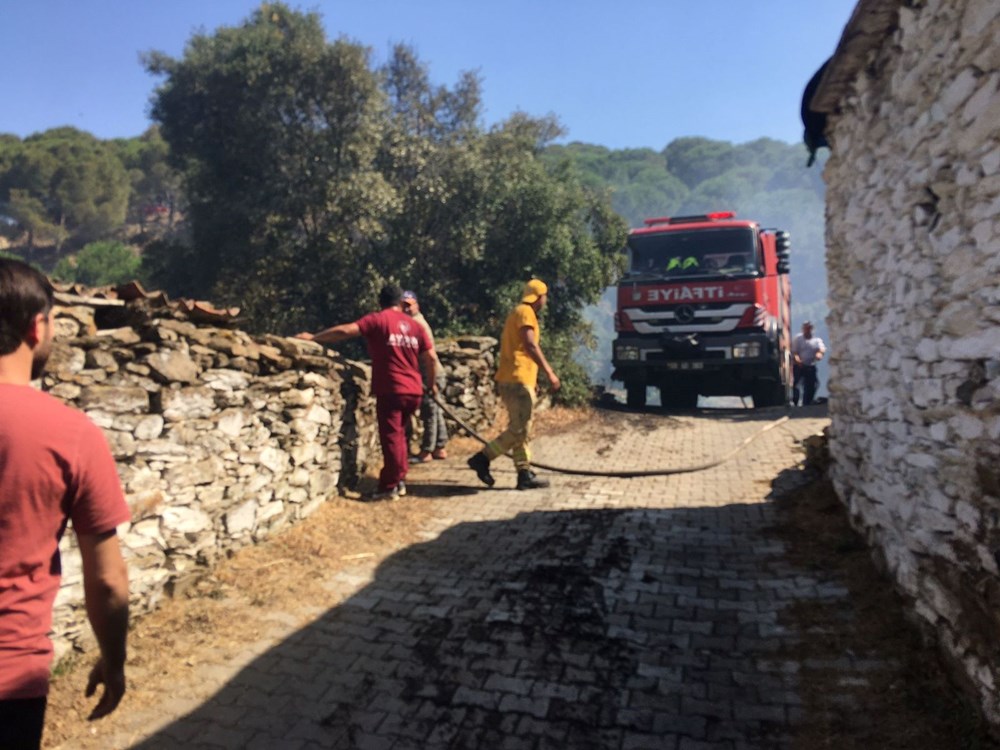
[601, 613]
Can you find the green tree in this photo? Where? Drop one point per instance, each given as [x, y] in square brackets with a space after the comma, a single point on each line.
[694, 160]
[156, 196]
[100, 264]
[276, 133]
[25, 178]
[480, 212]
[70, 179]
[31, 216]
[431, 156]
[726, 191]
[542, 221]
[312, 180]
[10, 147]
[640, 185]
[420, 109]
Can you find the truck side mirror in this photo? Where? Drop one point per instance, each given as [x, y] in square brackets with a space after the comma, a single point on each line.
[782, 241]
[782, 247]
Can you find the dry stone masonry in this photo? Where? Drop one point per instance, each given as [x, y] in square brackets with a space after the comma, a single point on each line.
[913, 235]
[221, 438]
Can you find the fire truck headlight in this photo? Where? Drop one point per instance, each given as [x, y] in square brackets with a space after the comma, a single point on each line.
[746, 351]
[627, 352]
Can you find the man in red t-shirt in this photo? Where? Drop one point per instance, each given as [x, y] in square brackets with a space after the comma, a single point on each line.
[55, 466]
[398, 348]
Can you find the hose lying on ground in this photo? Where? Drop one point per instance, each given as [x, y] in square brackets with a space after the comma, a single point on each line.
[623, 474]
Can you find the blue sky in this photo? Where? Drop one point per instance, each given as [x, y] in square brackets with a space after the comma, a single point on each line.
[631, 73]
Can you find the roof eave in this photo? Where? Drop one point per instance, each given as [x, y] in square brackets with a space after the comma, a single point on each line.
[867, 29]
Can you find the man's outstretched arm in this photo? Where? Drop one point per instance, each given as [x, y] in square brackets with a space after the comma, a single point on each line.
[105, 586]
[333, 334]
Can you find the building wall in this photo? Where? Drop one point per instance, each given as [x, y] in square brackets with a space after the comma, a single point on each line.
[913, 258]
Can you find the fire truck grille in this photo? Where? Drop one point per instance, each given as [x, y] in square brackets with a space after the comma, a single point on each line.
[701, 355]
[721, 306]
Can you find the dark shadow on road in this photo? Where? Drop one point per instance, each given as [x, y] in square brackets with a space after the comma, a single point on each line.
[416, 486]
[600, 629]
[440, 491]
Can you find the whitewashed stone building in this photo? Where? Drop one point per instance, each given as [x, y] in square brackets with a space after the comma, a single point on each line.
[912, 104]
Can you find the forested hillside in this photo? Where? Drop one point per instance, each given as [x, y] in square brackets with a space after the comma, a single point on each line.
[765, 180]
[289, 176]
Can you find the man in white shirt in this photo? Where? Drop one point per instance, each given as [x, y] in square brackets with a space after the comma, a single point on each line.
[807, 350]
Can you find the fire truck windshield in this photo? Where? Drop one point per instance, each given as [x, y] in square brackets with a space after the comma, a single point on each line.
[701, 252]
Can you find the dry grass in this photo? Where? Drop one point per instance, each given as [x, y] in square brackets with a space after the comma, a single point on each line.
[228, 608]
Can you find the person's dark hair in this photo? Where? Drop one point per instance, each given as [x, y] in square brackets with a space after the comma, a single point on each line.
[390, 295]
[24, 292]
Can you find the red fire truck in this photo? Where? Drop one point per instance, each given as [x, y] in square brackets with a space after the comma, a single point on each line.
[704, 309]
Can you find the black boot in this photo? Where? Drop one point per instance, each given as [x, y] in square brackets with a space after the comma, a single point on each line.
[527, 480]
[480, 464]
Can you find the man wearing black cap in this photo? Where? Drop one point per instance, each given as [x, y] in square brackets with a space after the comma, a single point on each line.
[517, 377]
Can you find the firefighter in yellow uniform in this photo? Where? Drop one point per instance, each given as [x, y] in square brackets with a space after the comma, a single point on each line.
[517, 379]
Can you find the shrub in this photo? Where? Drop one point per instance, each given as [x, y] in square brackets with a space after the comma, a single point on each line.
[100, 264]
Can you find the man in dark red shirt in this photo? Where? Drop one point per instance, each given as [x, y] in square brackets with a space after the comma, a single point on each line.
[398, 348]
[55, 466]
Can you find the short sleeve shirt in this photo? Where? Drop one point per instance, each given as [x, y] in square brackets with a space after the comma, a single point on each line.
[55, 465]
[515, 364]
[807, 349]
[395, 341]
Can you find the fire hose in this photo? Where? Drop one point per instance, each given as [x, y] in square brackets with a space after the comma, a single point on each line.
[621, 474]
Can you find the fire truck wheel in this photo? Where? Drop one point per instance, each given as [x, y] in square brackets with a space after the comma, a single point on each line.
[678, 397]
[769, 394]
[635, 395]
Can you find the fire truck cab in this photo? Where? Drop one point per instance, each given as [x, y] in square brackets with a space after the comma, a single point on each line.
[704, 309]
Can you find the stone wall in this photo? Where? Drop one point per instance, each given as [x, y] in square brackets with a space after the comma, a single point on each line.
[221, 438]
[913, 242]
